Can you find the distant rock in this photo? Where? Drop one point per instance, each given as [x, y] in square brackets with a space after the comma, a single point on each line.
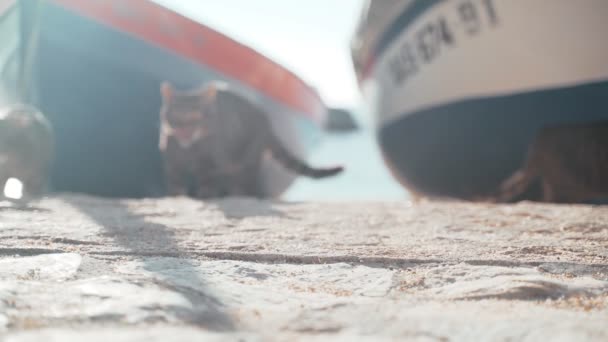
[340, 120]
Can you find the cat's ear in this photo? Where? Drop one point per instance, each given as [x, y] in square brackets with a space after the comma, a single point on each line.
[166, 90]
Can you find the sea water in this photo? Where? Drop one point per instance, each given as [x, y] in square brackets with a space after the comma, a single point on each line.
[366, 177]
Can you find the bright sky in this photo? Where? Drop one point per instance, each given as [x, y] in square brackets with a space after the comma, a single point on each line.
[310, 37]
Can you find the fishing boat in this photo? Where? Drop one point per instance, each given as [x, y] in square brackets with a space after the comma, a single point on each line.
[459, 88]
[94, 68]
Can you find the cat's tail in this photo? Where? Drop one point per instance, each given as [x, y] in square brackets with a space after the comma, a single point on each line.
[281, 154]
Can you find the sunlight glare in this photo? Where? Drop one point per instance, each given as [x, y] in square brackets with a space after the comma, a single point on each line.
[13, 189]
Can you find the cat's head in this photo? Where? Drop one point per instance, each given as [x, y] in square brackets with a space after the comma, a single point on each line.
[185, 114]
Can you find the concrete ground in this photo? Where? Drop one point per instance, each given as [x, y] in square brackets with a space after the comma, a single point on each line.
[79, 268]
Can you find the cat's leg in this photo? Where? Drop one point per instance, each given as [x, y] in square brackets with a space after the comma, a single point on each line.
[252, 186]
[251, 180]
[515, 185]
[236, 185]
[176, 182]
[234, 178]
[248, 167]
[563, 186]
[549, 192]
[568, 191]
[209, 184]
[209, 190]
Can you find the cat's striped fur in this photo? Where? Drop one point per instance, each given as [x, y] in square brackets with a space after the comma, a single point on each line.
[218, 138]
[571, 162]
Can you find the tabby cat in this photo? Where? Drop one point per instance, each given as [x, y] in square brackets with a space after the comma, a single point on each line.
[571, 161]
[26, 149]
[213, 142]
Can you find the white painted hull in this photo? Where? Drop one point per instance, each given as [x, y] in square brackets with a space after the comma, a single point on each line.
[478, 78]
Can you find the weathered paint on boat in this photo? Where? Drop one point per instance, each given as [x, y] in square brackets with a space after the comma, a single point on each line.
[460, 88]
[96, 71]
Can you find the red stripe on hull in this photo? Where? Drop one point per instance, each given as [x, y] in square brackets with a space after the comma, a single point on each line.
[160, 26]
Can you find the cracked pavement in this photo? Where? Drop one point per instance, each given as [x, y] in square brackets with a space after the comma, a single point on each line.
[76, 267]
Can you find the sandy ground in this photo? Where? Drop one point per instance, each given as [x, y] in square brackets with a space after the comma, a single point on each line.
[79, 268]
